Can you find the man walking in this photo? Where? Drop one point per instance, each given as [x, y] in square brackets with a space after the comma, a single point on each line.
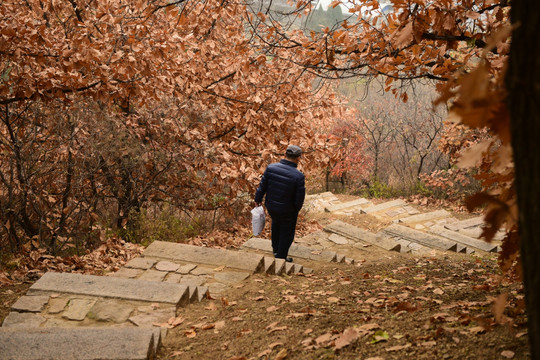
[284, 186]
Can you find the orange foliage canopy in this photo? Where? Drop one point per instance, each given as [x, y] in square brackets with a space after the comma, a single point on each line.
[109, 105]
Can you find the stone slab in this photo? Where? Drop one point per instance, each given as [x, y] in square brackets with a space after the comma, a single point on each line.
[425, 217]
[411, 210]
[289, 268]
[78, 308]
[167, 266]
[217, 288]
[472, 222]
[396, 212]
[298, 268]
[22, 320]
[323, 195]
[127, 273]
[31, 303]
[141, 263]
[269, 265]
[78, 343]
[429, 240]
[383, 206]
[202, 270]
[296, 250]
[202, 292]
[279, 266]
[110, 311]
[158, 316]
[173, 278]
[111, 287]
[338, 239]
[231, 277]
[193, 293]
[153, 275]
[346, 205]
[357, 234]
[57, 305]
[193, 280]
[185, 269]
[464, 239]
[203, 255]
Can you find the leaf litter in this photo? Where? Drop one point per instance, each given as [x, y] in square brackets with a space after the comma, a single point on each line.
[373, 316]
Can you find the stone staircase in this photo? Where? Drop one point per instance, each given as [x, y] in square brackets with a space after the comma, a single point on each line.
[125, 314]
[411, 230]
[118, 316]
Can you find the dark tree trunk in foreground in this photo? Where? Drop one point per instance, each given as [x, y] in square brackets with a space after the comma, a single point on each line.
[523, 83]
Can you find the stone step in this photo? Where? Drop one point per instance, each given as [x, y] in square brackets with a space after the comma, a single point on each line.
[111, 287]
[346, 205]
[202, 255]
[409, 247]
[323, 195]
[464, 239]
[429, 240]
[357, 234]
[383, 206]
[425, 217]
[472, 222]
[295, 250]
[78, 343]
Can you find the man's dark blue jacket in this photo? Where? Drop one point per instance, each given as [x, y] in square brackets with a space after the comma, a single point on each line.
[284, 186]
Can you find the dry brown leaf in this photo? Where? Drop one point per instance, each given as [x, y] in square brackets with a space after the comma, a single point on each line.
[264, 353]
[438, 291]
[477, 330]
[333, 300]
[219, 325]
[272, 308]
[398, 347]
[508, 354]
[324, 338]
[281, 355]
[368, 327]
[348, 336]
[175, 321]
[498, 307]
[275, 344]
[237, 318]
[191, 333]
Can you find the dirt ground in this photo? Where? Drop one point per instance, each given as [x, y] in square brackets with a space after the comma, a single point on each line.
[389, 306]
[399, 307]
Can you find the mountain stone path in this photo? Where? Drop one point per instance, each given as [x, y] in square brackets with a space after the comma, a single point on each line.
[125, 315]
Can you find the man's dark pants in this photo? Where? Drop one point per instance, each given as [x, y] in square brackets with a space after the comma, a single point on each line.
[283, 228]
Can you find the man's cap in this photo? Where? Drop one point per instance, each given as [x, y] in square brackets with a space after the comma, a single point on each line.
[293, 151]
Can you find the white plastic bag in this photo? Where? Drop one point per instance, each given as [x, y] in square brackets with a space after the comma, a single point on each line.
[257, 220]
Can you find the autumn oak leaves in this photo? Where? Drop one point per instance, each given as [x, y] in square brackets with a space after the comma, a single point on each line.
[109, 107]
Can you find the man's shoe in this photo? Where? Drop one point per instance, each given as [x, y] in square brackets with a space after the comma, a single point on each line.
[289, 259]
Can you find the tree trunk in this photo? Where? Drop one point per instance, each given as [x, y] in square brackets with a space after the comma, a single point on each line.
[523, 84]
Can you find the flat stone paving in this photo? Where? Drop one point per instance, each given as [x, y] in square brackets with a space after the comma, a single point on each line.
[422, 238]
[111, 287]
[358, 234]
[202, 255]
[295, 250]
[78, 343]
[383, 206]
